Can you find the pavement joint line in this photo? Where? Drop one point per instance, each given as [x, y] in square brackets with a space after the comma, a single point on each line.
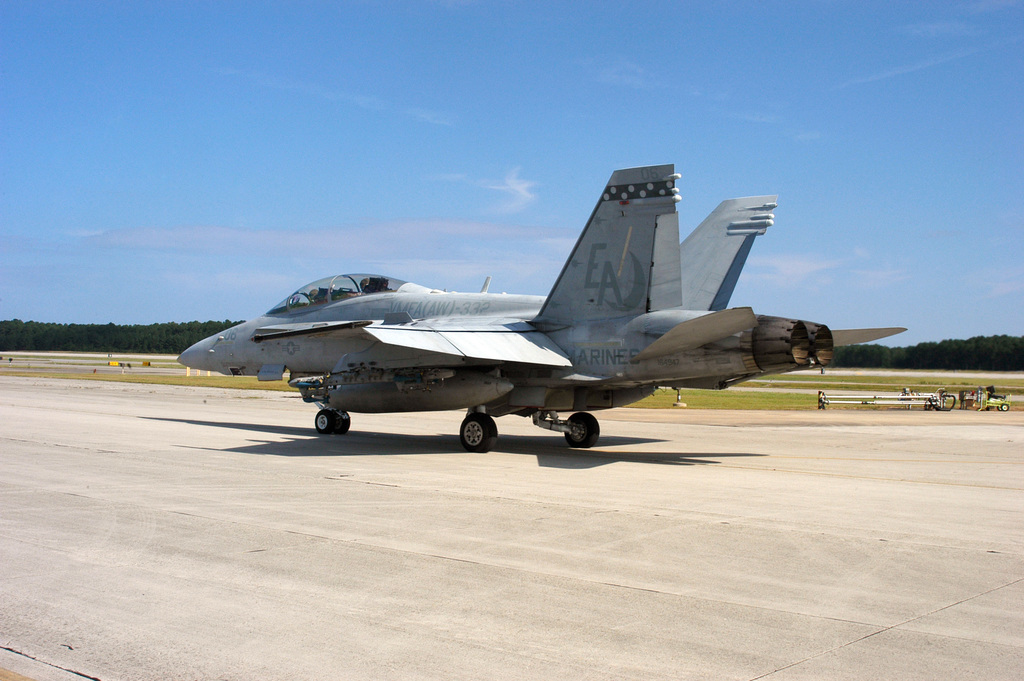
[873, 477]
[630, 587]
[470, 561]
[894, 626]
[49, 664]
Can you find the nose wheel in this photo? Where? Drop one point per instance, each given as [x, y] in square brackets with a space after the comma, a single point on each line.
[329, 421]
[478, 432]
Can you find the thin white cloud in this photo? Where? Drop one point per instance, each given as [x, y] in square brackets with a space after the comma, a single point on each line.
[1004, 283]
[807, 136]
[625, 73]
[185, 239]
[930, 63]
[428, 116]
[986, 6]
[753, 117]
[316, 91]
[520, 192]
[910, 68]
[1004, 288]
[789, 270]
[456, 254]
[879, 278]
[944, 29]
[369, 240]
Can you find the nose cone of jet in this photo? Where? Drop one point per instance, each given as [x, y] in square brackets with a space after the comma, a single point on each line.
[200, 356]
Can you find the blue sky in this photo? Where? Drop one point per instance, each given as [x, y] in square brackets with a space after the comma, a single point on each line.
[171, 161]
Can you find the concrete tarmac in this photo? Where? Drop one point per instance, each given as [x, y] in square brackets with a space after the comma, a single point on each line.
[157, 532]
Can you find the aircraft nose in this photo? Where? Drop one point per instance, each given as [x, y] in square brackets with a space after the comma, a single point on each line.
[200, 355]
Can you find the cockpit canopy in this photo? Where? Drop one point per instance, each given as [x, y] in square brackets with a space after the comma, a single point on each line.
[333, 289]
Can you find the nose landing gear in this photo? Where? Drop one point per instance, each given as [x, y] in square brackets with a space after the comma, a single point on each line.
[478, 432]
[330, 421]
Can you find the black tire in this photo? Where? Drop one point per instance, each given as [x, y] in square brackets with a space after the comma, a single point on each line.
[584, 430]
[1004, 407]
[478, 433]
[342, 422]
[326, 421]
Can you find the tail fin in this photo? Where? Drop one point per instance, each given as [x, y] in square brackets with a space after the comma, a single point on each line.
[626, 260]
[713, 256]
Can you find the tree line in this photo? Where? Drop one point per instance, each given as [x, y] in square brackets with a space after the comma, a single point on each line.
[168, 338]
[981, 353]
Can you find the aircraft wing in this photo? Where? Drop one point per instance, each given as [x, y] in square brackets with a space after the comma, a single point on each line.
[842, 337]
[512, 342]
[504, 343]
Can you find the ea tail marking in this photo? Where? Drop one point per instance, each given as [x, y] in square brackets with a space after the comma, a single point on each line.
[622, 264]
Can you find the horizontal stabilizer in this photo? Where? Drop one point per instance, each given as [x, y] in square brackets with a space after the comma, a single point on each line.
[289, 330]
[842, 337]
[700, 331]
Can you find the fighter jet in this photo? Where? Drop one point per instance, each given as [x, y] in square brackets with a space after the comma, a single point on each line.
[632, 310]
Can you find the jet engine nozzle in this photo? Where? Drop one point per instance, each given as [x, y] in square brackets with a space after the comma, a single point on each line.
[822, 346]
[779, 344]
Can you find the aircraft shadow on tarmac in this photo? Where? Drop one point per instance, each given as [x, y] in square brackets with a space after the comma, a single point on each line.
[550, 450]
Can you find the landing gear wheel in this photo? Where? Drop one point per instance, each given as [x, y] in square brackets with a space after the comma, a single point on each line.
[478, 433]
[583, 430]
[326, 421]
[342, 422]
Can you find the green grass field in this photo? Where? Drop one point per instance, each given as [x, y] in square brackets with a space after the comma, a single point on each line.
[769, 393]
[218, 381]
[922, 382]
[730, 399]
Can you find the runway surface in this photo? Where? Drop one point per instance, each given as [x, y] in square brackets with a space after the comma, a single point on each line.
[152, 532]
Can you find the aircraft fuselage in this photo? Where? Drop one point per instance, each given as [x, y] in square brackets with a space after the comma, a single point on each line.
[632, 309]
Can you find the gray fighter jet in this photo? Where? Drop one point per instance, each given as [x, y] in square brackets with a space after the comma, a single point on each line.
[632, 309]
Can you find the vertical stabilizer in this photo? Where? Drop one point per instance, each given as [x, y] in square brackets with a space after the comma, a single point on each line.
[666, 285]
[626, 260]
[713, 256]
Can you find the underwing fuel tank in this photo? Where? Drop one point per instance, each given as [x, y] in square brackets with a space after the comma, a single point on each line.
[779, 344]
[461, 391]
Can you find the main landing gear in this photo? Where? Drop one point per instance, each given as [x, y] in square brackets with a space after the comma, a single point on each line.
[330, 421]
[581, 429]
[479, 433]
